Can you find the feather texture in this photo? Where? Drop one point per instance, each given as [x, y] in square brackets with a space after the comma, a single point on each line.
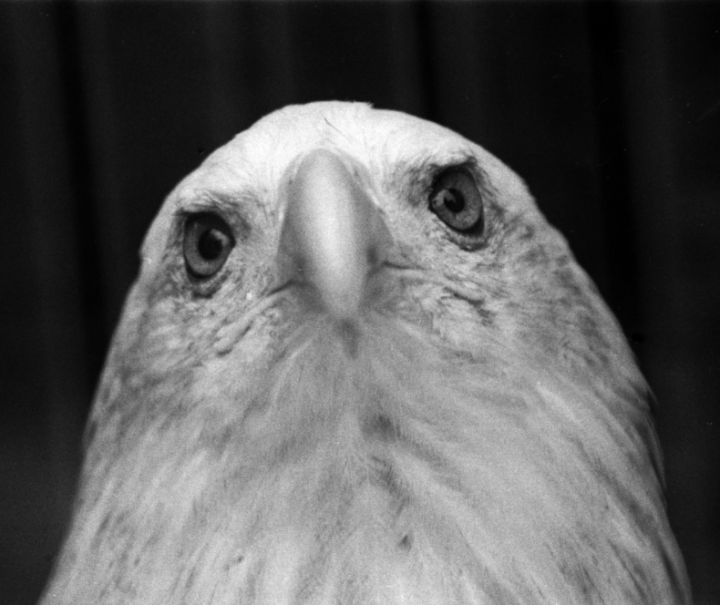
[477, 433]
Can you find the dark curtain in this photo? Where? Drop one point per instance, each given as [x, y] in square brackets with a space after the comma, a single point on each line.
[610, 111]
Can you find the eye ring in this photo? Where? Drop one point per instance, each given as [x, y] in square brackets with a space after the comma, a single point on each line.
[207, 243]
[456, 200]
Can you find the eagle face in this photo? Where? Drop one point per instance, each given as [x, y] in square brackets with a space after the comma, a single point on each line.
[358, 366]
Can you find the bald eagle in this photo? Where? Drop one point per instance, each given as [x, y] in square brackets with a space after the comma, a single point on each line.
[358, 367]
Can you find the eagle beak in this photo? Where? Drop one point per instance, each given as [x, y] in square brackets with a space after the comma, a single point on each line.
[333, 234]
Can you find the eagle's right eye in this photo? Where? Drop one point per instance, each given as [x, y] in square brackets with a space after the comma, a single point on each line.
[207, 243]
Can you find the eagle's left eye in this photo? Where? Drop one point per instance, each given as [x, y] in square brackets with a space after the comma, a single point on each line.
[207, 243]
[457, 201]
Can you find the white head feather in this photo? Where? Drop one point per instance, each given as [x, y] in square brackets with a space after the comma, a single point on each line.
[466, 426]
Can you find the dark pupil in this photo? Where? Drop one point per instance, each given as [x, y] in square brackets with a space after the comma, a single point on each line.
[210, 245]
[453, 200]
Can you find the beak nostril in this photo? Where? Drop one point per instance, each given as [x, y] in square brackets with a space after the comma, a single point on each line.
[373, 257]
[379, 241]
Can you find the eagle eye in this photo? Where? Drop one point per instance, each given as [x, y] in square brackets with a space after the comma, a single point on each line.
[457, 201]
[207, 242]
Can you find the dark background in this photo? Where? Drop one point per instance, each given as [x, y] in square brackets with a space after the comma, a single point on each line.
[611, 112]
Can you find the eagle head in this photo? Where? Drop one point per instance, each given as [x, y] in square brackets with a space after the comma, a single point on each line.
[358, 366]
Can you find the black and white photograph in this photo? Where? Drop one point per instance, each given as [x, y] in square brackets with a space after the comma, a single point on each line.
[359, 302]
